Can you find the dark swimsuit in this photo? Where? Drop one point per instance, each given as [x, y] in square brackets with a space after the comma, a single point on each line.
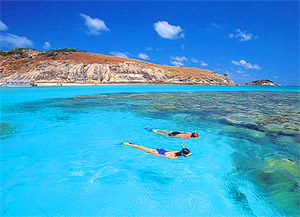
[174, 133]
[161, 151]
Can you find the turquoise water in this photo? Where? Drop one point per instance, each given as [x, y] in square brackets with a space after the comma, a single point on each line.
[61, 152]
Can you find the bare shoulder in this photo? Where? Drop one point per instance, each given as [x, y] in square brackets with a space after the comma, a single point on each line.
[172, 155]
[184, 136]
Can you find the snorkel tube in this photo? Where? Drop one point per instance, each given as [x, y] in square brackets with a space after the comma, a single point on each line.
[183, 154]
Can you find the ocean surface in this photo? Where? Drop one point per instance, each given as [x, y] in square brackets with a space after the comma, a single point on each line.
[61, 151]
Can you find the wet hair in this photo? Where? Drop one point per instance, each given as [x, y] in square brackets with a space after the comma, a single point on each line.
[183, 152]
[194, 135]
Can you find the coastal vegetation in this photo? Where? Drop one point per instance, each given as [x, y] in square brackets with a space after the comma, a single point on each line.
[16, 52]
[54, 52]
[173, 70]
[23, 52]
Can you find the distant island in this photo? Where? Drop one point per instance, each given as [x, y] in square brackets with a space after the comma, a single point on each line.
[71, 66]
[265, 82]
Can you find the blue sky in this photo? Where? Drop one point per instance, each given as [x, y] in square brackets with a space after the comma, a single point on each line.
[247, 40]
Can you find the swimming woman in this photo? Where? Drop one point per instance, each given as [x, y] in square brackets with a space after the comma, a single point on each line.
[178, 134]
[161, 152]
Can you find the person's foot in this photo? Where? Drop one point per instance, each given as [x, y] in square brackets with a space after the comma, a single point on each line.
[126, 143]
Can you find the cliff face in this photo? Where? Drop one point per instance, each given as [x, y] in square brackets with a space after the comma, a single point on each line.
[82, 67]
[65, 72]
[262, 83]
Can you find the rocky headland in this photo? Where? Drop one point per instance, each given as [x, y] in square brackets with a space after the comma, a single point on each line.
[73, 66]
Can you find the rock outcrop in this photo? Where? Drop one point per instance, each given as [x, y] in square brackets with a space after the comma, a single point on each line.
[262, 83]
[83, 67]
[126, 72]
[118, 73]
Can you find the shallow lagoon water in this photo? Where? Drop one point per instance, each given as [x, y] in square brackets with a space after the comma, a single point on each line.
[61, 152]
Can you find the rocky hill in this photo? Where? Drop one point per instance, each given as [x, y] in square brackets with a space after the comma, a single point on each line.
[73, 66]
[262, 83]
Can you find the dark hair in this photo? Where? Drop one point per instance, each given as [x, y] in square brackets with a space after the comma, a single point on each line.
[194, 135]
[184, 151]
[178, 153]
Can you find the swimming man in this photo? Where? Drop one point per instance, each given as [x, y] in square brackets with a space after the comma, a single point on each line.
[178, 134]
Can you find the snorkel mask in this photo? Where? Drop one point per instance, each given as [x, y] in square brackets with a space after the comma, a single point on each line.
[183, 154]
[197, 134]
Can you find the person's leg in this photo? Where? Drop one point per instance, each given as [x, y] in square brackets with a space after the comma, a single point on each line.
[162, 132]
[149, 150]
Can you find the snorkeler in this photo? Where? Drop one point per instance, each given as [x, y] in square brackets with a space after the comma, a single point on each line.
[178, 134]
[161, 152]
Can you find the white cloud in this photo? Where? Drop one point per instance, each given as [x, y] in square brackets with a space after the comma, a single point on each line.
[239, 71]
[182, 47]
[46, 45]
[242, 35]
[94, 25]
[202, 63]
[3, 27]
[216, 26]
[143, 56]
[246, 65]
[14, 41]
[176, 63]
[168, 31]
[213, 26]
[179, 59]
[194, 60]
[119, 54]
[153, 48]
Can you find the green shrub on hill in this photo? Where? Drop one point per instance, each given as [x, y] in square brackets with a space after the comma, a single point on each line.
[17, 52]
[173, 70]
[3, 52]
[65, 50]
[54, 52]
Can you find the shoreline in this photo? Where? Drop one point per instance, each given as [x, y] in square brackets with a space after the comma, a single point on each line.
[63, 84]
[57, 84]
